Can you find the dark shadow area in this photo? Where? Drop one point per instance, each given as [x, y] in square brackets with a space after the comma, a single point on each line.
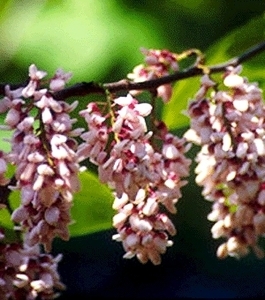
[95, 269]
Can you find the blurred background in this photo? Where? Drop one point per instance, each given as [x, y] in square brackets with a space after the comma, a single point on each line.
[100, 41]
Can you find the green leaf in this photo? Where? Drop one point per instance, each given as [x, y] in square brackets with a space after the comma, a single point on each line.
[14, 201]
[233, 44]
[92, 209]
[236, 43]
[4, 137]
[5, 221]
[7, 225]
[172, 113]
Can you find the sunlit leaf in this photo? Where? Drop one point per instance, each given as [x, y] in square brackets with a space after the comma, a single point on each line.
[5, 136]
[11, 15]
[173, 111]
[5, 221]
[92, 209]
[78, 36]
[14, 201]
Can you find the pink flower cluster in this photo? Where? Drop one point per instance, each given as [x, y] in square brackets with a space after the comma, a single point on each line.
[27, 274]
[144, 170]
[158, 63]
[43, 151]
[229, 125]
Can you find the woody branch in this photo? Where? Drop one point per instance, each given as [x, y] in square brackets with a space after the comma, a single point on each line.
[86, 88]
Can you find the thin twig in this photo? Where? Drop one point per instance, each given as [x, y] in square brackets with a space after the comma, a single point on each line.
[190, 72]
[126, 85]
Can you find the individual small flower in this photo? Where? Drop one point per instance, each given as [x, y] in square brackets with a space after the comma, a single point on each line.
[158, 63]
[35, 76]
[229, 126]
[59, 80]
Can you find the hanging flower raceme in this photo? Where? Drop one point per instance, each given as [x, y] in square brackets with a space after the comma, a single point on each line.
[230, 127]
[43, 151]
[25, 273]
[158, 63]
[144, 177]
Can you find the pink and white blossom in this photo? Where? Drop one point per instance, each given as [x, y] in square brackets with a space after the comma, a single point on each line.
[229, 126]
[158, 63]
[144, 177]
[28, 273]
[44, 153]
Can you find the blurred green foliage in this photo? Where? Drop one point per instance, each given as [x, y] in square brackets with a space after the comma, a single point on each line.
[234, 43]
[100, 41]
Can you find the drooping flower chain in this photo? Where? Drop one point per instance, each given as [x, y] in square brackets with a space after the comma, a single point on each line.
[230, 127]
[43, 151]
[143, 177]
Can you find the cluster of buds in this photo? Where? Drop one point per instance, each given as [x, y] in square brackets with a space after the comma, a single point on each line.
[144, 170]
[158, 63]
[229, 126]
[25, 273]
